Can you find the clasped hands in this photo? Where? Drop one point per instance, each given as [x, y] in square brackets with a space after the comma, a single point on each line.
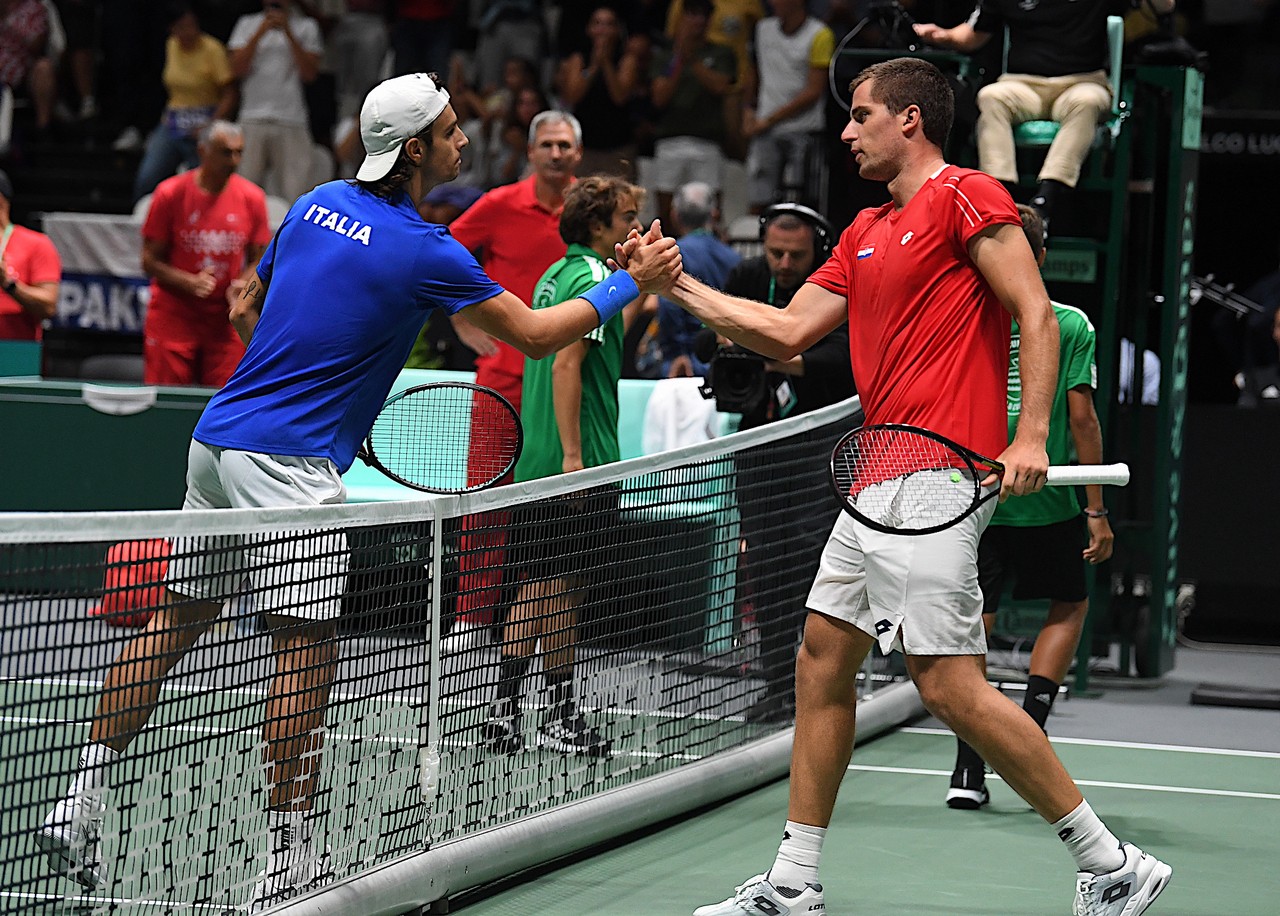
[652, 259]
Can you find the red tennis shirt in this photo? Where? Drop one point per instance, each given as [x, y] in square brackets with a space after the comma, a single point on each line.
[928, 339]
[518, 239]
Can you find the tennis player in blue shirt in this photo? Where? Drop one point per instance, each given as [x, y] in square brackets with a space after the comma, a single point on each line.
[339, 298]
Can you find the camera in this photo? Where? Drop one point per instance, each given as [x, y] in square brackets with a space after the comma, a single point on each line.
[736, 378]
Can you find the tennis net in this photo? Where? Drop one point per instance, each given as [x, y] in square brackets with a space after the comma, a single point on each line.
[472, 674]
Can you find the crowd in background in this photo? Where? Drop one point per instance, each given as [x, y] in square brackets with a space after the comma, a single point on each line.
[667, 92]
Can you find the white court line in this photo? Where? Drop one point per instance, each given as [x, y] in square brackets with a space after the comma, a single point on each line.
[1132, 745]
[1141, 787]
[97, 903]
[399, 698]
[452, 744]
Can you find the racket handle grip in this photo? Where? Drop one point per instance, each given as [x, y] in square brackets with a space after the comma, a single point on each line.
[1116, 475]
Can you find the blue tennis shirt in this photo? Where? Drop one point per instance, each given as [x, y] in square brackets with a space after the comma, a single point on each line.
[350, 278]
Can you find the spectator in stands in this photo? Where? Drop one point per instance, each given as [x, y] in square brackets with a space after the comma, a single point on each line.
[273, 54]
[30, 272]
[422, 36]
[570, 416]
[134, 37]
[690, 81]
[732, 23]
[197, 76]
[509, 158]
[599, 85]
[498, 131]
[358, 48]
[1043, 540]
[516, 230]
[783, 546]
[694, 216]
[783, 113]
[1057, 69]
[321, 360]
[507, 28]
[203, 236]
[24, 66]
[80, 23]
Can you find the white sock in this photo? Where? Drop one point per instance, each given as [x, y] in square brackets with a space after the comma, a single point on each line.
[1091, 844]
[798, 857]
[91, 777]
[290, 839]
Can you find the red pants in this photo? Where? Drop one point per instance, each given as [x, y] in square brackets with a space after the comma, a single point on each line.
[484, 538]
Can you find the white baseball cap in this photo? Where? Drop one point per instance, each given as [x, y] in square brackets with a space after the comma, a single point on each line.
[395, 110]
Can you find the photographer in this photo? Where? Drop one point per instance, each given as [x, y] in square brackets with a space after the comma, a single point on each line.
[783, 544]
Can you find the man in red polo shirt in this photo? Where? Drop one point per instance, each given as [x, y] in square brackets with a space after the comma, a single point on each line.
[516, 230]
[30, 271]
[203, 236]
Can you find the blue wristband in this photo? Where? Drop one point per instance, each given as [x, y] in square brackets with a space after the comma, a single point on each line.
[611, 295]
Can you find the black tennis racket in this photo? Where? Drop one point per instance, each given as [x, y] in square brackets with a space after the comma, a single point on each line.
[446, 437]
[906, 480]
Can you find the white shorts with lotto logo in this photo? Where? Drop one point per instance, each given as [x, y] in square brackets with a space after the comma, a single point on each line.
[295, 574]
[917, 593]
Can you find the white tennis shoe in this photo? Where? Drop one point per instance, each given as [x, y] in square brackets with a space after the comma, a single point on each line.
[757, 897]
[71, 838]
[1127, 891]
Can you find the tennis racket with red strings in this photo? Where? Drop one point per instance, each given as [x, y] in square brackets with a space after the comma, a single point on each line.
[902, 479]
[445, 437]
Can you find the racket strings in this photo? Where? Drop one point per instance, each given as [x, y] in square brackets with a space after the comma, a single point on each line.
[446, 438]
[902, 480]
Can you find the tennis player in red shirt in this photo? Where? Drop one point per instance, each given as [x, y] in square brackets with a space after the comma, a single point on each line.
[927, 283]
[203, 236]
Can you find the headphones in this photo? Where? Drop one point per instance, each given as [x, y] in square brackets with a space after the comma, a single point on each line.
[823, 234]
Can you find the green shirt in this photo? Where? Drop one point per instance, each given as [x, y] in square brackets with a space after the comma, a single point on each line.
[575, 273]
[1076, 367]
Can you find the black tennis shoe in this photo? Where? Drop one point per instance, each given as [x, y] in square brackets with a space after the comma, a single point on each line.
[563, 729]
[502, 731]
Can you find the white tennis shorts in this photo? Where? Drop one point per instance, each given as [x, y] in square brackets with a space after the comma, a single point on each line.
[917, 593]
[294, 573]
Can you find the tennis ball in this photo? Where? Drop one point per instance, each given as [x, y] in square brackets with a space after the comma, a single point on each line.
[955, 477]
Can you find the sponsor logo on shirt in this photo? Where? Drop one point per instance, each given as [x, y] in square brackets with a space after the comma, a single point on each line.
[908, 236]
[335, 221]
[211, 242]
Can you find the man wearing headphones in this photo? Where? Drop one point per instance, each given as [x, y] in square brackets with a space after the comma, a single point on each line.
[783, 545]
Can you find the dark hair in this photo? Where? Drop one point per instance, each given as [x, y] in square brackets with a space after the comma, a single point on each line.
[789, 216]
[905, 81]
[388, 186]
[698, 7]
[593, 201]
[1032, 228]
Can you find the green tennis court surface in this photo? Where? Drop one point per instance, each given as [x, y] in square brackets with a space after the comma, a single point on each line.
[181, 818]
[896, 850]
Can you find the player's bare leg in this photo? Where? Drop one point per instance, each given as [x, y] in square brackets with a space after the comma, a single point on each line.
[69, 834]
[954, 688]
[826, 704]
[826, 701]
[1058, 640]
[306, 654]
